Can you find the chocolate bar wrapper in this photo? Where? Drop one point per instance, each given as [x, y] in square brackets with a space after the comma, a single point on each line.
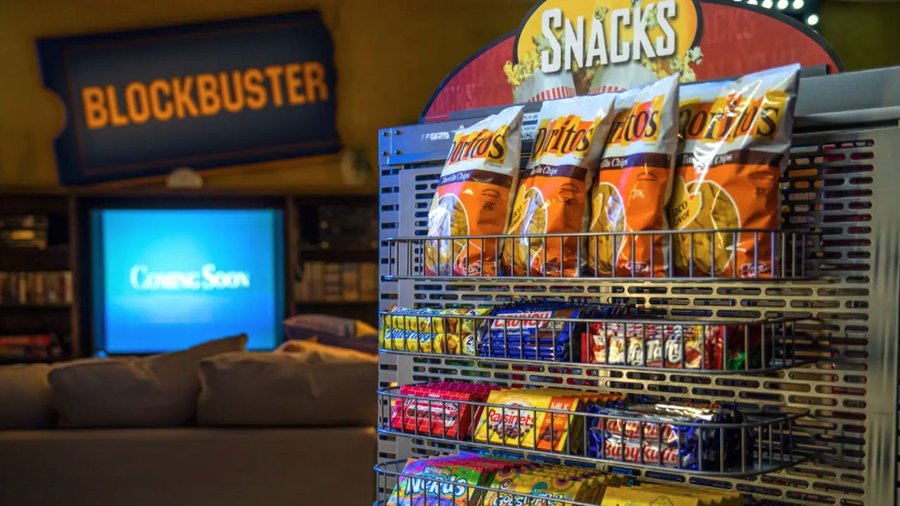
[462, 332]
[613, 447]
[433, 411]
[548, 340]
[663, 429]
[417, 330]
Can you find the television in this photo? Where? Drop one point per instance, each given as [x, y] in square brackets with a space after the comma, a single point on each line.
[167, 279]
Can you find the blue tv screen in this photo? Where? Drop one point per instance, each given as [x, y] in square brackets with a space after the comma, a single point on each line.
[168, 279]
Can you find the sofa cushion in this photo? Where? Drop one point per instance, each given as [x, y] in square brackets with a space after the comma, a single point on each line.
[287, 389]
[318, 352]
[155, 391]
[25, 397]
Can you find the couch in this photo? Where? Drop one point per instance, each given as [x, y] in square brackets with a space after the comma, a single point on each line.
[263, 428]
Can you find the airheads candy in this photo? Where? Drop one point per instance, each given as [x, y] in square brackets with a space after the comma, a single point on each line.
[473, 196]
[634, 183]
[736, 137]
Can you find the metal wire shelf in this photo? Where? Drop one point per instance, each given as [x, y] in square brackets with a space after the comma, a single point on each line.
[707, 254]
[754, 346]
[746, 445]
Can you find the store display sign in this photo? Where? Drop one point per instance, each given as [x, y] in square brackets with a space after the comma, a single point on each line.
[146, 102]
[566, 48]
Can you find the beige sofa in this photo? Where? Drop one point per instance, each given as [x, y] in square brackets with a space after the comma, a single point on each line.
[274, 429]
[187, 466]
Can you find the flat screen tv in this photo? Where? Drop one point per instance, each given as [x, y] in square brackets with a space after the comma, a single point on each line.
[166, 279]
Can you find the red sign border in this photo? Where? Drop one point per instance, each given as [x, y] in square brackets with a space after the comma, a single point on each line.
[774, 14]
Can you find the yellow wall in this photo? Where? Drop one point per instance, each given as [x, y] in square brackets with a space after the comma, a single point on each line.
[864, 34]
[390, 56]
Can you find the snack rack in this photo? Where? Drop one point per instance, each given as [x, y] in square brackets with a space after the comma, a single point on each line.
[828, 409]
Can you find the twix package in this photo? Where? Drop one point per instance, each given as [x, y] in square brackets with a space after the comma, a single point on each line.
[552, 193]
[634, 183]
[473, 196]
[736, 136]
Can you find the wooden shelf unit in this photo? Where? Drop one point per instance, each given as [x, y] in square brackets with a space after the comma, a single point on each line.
[68, 211]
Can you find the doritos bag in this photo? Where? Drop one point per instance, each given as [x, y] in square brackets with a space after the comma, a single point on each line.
[634, 183]
[736, 137]
[473, 196]
[552, 193]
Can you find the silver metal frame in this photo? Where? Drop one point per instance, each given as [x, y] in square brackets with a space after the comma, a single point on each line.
[841, 184]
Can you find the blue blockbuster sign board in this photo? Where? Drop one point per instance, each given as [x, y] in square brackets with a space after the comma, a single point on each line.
[143, 103]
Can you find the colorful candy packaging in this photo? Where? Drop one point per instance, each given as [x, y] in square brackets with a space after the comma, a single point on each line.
[462, 332]
[527, 333]
[427, 330]
[439, 484]
[538, 488]
[552, 193]
[473, 196]
[419, 330]
[666, 441]
[736, 137]
[439, 409]
[634, 183]
[515, 425]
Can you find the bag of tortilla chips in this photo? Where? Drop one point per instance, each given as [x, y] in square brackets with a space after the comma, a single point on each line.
[473, 196]
[736, 138]
[634, 183]
[552, 193]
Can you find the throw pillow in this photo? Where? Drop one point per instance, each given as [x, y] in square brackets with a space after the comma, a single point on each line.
[287, 389]
[25, 397]
[317, 352]
[155, 391]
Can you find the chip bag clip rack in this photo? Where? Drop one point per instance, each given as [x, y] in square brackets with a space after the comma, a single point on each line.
[474, 196]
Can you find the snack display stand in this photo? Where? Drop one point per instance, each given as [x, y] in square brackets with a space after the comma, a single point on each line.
[821, 407]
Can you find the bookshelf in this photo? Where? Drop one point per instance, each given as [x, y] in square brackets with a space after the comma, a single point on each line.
[332, 235]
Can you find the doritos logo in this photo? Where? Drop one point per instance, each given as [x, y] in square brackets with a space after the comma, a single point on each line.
[640, 123]
[484, 144]
[563, 136]
[733, 116]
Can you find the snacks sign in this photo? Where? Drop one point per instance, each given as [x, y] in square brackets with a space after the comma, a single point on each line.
[143, 103]
[566, 48]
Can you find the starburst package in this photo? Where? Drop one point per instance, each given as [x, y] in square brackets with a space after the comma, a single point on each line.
[634, 183]
[473, 196]
[552, 193]
[736, 136]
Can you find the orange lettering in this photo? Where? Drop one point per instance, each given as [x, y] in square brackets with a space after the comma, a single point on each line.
[208, 95]
[314, 76]
[95, 115]
[293, 84]
[162, 111]
[136, 103]
[181, 94]
[118, 119]
[256, 93]
[274, 72]
[233, 100]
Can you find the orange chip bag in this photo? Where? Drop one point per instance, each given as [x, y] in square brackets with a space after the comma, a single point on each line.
[634, 183]
[736, 138]
[473, 196]
[552, 193]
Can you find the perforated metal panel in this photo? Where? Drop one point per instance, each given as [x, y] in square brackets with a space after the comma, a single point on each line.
[841, 183]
